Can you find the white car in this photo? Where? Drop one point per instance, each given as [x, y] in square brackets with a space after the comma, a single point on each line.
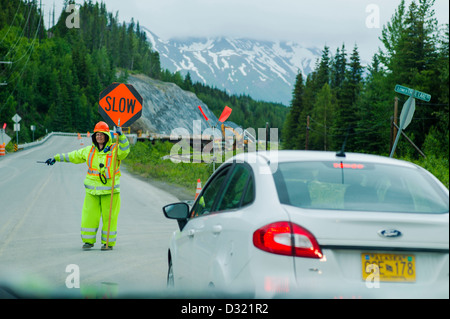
[314, 224]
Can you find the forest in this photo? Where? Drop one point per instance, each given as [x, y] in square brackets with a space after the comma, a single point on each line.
[54, 76]
[342, 101]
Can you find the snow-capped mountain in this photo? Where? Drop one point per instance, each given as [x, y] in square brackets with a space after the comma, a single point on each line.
[263, 70]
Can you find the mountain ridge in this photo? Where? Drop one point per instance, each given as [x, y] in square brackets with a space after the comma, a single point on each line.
[264, 70]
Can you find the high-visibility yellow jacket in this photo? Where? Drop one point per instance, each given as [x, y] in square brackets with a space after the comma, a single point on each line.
[97, 174]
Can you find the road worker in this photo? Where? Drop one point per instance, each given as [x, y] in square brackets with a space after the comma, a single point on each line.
[98, 182]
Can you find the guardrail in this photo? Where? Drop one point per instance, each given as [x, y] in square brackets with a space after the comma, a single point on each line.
[131, 137]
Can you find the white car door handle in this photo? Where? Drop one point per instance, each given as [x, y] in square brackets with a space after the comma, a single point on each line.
[217, 229]
[191, 232]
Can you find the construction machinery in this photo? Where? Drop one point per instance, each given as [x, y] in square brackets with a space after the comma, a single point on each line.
[241, 138]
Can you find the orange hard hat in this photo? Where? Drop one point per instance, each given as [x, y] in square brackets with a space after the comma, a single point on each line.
[101, 127]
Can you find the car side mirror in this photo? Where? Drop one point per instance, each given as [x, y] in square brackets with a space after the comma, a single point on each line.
[176, 211]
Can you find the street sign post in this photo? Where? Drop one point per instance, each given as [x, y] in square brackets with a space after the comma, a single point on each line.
[16, 118]
[408, 109]
[33, 128]
[120, 104]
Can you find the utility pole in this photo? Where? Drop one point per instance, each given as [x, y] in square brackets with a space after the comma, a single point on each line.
[41, 16]
[395, 117]
[325, 132]
[4, 62]
[307, 133]
[394, 124]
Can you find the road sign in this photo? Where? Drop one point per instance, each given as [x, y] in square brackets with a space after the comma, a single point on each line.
[120, 104]
[4, 138]
[16, 118]
[16, 127]
[407, 114]
[403, 90]
[417, 94]
[422, 96]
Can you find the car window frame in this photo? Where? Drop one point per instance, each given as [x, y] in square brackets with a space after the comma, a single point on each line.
[205, 188]
[231, 168]
[245, 190]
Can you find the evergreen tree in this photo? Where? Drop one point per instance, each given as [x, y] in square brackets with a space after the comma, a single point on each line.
[294, 128]
[323, 71]
[347, 114]
[187, 85]
[323, 116]
[338, 68]
[375, 107]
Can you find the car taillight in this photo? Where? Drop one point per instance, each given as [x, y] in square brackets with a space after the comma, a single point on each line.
[286, 238]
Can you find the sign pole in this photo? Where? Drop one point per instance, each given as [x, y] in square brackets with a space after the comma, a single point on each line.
[402, 123]
[116, 145]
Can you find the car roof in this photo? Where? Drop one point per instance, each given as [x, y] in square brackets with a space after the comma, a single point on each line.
[304, 155]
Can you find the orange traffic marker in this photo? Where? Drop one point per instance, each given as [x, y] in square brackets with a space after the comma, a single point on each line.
[199, 188]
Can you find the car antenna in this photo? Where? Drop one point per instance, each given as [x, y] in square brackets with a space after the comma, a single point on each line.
[341, 153]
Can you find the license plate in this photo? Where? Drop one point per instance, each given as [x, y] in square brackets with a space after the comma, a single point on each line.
[388, 267]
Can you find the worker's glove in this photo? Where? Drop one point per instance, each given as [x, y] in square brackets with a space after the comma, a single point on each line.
[118, 130]
[50, 161]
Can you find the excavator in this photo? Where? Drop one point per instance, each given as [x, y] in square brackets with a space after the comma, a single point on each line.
[240, 139]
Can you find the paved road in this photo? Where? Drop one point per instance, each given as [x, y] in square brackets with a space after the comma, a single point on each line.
[40, 244]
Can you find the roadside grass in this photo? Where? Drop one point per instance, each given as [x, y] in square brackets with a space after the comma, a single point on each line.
[146, 160]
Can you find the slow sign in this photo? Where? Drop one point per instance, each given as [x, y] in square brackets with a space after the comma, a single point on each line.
[120, 104]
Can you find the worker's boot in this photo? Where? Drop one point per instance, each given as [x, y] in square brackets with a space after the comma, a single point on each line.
[87, 246]
[104, 247]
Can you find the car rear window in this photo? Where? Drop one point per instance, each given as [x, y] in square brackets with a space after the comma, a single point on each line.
[359, 187]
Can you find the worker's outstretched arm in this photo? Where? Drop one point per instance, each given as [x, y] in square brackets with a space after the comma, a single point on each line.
[75, 157]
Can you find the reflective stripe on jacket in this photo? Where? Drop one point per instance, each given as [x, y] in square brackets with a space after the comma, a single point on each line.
[93, 158]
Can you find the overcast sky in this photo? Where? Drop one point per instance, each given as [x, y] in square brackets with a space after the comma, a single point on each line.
[310, 23]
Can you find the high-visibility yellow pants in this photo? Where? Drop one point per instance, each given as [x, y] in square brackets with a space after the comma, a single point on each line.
[94, 207]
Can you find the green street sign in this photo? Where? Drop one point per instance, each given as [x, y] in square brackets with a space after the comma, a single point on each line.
[422, 96]
[417, 94]
[403, 90]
